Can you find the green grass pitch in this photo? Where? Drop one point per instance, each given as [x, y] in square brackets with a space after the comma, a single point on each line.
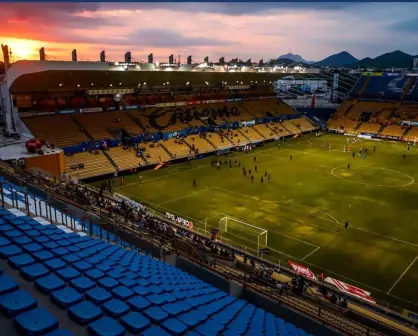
[305, 205]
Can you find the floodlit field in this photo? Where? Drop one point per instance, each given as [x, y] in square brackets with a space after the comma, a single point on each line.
[305, 205]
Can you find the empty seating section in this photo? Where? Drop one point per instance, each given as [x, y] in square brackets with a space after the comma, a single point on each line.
[268, 107]
[368, 127]
[95, 164]
[252, 134]
[303, 124]
[267, 132]
[108, 125]
[125, 159]
[200, 143]
[163, 119]
[393, 130]
[106, 290]
[58, 130]
[408, 112]
[412, 134]
[291, 127]
[156, 153]
[144, 119]
[343, 108]
[218, 141]
[177, 147]
[344, 124]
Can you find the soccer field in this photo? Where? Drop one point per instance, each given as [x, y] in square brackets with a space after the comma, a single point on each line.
[305, 205]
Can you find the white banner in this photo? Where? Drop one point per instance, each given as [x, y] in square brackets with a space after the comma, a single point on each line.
[121, 198]
[91, 110]
[179, 220]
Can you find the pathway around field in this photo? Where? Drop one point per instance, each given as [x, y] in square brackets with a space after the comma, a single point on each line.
[399, 279]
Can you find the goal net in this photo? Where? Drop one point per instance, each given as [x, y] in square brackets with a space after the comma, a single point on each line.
[246, 235]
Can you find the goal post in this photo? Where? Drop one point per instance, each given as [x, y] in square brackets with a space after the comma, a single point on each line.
[248, 235]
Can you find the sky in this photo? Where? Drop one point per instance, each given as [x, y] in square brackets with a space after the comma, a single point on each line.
[244, 30]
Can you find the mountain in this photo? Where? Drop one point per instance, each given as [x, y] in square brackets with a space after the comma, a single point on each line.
[294, 57]
[286, 62]
[337, 60]
[394, 59]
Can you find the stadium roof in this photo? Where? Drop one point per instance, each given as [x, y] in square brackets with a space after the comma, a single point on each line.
[46, 76]
[81, 80]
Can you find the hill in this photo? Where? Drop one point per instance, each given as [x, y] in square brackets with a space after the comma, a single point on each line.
[394, 59]
[337, 60]
[294, 57]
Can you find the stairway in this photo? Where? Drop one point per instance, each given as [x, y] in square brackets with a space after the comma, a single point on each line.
[360, 93]
[110, 158]
[257, 131]
[243, 134]
[137, 121]
[407, 87]
[83, 129]
[166, 149]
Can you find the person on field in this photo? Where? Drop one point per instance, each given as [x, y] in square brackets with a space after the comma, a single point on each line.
[194, 182]
[252, 178]
[348, 166]
[346, 225]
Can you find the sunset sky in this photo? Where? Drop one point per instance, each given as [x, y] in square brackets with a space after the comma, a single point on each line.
[244, 30]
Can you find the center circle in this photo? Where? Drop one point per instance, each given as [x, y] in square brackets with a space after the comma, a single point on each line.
[373, 176]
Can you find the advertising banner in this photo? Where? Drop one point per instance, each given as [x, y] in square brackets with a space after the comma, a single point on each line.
[121, 198]
[179, 220]
[132, 107]
[67, 111]
[351, 290]
[164, 104]
[91, 110]
[372, 74]
[302, 270]
[111, 108]
[247, 123]
[180, 103]
[194, 102]
[389, 137]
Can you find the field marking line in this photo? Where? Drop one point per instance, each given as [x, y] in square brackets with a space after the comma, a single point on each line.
[276, 232]
[406, 270]
[321, 218]
[185, 196]
[160, 177]
[306, 262]
[309, 254]
[412, 181]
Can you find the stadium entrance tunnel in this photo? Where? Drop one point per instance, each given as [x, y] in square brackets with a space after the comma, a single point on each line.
[373, 176]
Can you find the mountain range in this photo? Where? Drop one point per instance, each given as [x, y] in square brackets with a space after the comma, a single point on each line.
[394, 59]
[295, 58]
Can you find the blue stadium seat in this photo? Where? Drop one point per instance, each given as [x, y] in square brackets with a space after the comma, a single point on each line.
[49, 283]
[84, 312]
[66, 297]
[106, 326]
[14, 303]
[115, 308]
[135, 322]
[35, 322]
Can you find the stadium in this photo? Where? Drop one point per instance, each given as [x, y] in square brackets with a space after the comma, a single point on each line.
[227, 198]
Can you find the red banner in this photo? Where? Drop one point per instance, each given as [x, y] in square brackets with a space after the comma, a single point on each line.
[351, 290]
[302, 270]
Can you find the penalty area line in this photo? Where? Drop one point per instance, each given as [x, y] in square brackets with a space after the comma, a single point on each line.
[399, 279]
[309, 254]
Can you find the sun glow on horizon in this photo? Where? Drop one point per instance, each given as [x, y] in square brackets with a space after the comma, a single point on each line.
[21, 49]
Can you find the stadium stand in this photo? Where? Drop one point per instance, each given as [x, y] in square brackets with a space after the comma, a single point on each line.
[94, 163]
[58, 130]
[393, 130]
[125, 158]
[177, 147]
[155, 153]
